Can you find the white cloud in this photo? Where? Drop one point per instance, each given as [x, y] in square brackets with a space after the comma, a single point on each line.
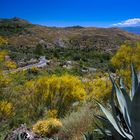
[128, 22]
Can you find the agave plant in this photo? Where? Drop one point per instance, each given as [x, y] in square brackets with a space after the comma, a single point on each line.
[55, 138]
[88, 136]
[123, 121]
[22, 136]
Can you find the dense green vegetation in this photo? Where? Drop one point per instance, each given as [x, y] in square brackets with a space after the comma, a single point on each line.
[82, 61]
[13, 26]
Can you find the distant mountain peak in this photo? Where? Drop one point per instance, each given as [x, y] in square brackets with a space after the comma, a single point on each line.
[18, 19]
[132, 29]
[13, 26]
[13, 20]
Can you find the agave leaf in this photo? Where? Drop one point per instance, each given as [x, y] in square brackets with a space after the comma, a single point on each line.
[101, 117]
[115, 110]
[101, 130]
[128, 111]
[85, 137]
[116, 113]
[110, 127]
[134, 81]
[135, 113]
[128, 103]
[19, 137]
[123, 106]
[122, 83]
[111, 119]
[106, 122]
[88, 136]
[120, 97]
[127, 98]
[126, 95]
[123, 100]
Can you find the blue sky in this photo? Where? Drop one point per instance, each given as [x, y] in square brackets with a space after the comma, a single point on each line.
[100, 13]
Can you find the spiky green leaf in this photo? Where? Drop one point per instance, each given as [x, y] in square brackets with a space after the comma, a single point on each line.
[111, 119]
[134, 81]
[135, 113]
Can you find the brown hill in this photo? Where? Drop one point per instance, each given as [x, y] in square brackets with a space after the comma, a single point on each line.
[22, 33]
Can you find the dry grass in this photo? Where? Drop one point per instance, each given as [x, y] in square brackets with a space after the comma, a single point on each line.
[78, 123]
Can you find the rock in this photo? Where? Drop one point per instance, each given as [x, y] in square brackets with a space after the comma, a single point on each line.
[7, 58]
[90, 69]
[84, 70]
[67, 64]
[59, 42]
[23, 131]
[43, 43]
[33, 61]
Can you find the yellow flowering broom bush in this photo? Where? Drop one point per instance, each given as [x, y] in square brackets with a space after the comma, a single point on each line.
[99, 88]
[122, 60]
[6, 110]
[47, 127]
[6, 64]
[52, 113]
[3, 40]
[2, 55]
[54, 92]
[10, 64]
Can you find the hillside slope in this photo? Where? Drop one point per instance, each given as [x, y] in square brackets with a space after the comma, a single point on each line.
[22, 33]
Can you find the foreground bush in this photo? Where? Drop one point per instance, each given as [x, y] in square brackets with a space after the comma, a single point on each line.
[52, 92]
[77, 123]
[99, 88]
[47, 127]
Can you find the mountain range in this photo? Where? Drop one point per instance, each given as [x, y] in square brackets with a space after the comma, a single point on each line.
[23, 33]
[135, 30]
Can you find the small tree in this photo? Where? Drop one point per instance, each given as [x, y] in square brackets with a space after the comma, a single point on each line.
[39, 50]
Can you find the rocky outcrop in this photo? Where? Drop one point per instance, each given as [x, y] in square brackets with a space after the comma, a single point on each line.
[24, 133]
